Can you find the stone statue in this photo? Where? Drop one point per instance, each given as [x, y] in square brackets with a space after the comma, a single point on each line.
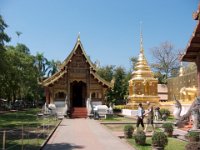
[89, 106]
[110, 109]
[66, 109]
[177, 108]
[157, 113]
[52, 108]
[194, 112]
[188, 93]
[46, 110]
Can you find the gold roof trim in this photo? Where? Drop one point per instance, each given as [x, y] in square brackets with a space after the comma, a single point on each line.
[108, 84]
[53, 78]
[78, 43]
[62, 70]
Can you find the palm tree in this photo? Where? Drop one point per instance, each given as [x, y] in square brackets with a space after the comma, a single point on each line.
[54, 67]
[42, 65]
[18, 34]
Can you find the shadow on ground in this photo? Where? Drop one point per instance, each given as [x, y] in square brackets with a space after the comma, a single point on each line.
[62, 146]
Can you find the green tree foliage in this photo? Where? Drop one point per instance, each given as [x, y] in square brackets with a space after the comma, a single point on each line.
[45, 68]
[119, 92]
[106, 72]
[20, 79]
[53, 67]
[22, 48]
[3, 39]
[3, 36]
[20, 70]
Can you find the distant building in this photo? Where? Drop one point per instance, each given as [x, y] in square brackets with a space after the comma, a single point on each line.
[163, 92]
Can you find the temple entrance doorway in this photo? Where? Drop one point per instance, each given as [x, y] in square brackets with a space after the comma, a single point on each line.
[78, 94]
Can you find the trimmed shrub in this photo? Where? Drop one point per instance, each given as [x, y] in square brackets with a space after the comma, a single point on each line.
[159, 139]
[192, 136]
[168, 128]
[128, 131]
[140, 138]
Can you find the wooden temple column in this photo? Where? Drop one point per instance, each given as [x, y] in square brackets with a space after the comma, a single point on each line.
[47, 94]
[198, 73]
[68, 87]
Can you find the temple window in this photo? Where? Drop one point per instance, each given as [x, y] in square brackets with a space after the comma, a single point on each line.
[60, 95]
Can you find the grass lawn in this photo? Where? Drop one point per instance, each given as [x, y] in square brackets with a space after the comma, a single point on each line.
[120, 127]
[19, 118]
[35, 130]
[173, 143]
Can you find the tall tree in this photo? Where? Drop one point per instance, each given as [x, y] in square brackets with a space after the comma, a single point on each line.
[3, 61]
[106, 72]
[53, 67]
[3, 36]
[20, 79]
[118, 93]
[22, 48]
[42, 65]
[3, 39]
[18, 34]
[166, 60]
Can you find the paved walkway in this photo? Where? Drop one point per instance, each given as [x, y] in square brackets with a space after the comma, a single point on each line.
[87, 134]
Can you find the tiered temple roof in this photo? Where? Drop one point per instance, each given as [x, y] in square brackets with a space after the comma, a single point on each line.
[192, 53]
[63, 69]
[193, 48]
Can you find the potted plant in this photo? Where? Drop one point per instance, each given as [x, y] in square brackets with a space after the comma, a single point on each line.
[128, 131]
[159, 141]
[192, 136]
[140, 137]
[168, 129]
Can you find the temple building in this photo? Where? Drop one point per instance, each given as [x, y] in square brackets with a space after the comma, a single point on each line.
[76, 81]
[192, 53]
[143, 85]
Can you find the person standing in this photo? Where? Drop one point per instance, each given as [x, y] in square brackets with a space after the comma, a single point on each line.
[140, 116]
[150, 116]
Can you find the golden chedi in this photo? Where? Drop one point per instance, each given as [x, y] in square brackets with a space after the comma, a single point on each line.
[143, 85]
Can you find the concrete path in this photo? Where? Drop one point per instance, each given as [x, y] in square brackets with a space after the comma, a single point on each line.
[87, 134]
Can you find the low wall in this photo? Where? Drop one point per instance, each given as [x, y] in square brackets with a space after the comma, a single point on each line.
[170, 107]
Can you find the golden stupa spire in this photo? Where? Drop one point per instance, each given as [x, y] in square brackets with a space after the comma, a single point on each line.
[142, 70]
[141, 39]
[142, 85]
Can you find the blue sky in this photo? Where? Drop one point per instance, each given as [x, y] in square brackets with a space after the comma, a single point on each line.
[109, 29]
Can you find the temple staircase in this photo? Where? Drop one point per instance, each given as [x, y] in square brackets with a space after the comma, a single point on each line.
[79, 112]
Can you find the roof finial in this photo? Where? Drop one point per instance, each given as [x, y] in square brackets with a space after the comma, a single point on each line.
[141, 39]
[79, 36]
